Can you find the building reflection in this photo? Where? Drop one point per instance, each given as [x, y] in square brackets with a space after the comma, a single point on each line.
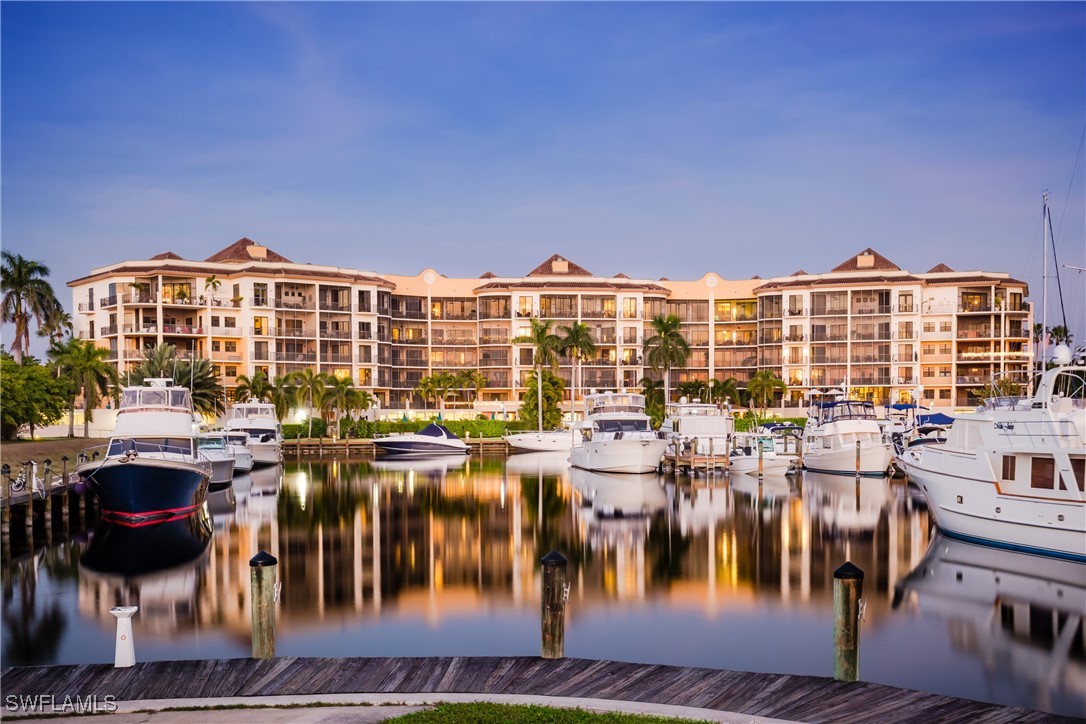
[437, 538]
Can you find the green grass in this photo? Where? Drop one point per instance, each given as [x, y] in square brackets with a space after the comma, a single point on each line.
[485, 713]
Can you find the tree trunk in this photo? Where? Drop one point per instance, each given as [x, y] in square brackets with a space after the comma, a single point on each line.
[71, 417]
[539, 395]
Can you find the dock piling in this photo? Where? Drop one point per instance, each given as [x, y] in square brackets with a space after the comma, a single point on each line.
[262, 568]
[553, 605]
[848, 586]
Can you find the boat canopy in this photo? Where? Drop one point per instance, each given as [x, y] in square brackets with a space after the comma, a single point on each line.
[844, 410]
[936, 418]
[435, 430]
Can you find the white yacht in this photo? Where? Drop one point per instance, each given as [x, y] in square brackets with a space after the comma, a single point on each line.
[617, 436]
[540, 440]
[1014, 474]
[213, 447]
[756, 453]
[265, 435]
[698, 425]
[238, 444]
[838, 432]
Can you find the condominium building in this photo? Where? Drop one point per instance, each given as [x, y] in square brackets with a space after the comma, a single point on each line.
[888, 334]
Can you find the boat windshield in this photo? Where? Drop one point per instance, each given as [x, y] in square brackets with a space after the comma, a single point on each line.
[136, 397]
[239, 439]
[847, 410]
[211, 443]
[622, 425]
[248, 412]
[175, 445]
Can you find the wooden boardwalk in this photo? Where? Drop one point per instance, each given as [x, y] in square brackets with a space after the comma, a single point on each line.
[796, 698]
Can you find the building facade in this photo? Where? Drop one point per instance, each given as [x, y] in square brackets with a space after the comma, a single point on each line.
[887, 334]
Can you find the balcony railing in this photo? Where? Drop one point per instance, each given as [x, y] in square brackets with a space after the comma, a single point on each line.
[295, 332]
[338, 358]
[226, 331]
[330, 306]
[295, 356]
[86, 306]
[829, 311]
[304, 304]
[181, 329]
[335, 333]
[139, 298]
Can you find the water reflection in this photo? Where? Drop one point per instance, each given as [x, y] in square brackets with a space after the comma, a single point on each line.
[441, 557]
[1021, 615]
[155, 567]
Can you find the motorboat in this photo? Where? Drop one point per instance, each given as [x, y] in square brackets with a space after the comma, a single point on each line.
[757, 454]
[697, 427]
[1013, 474]
[152, 470]
[843, 436]
[434, 439]
[544, 463]
[213, 447]
[237, 444]
[1019, 615]
[261, 425]
[540, 440]
[617, 436]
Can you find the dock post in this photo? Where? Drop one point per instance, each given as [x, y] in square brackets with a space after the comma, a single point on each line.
[124, 654]
[262, 569]
[728, 454]
[761, 459]
[857, 458]
[65, 496]
[47, 484]
[553, 605]
[5, 505]
[848, 586]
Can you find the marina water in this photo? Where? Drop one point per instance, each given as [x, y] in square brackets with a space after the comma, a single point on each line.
[441, 558]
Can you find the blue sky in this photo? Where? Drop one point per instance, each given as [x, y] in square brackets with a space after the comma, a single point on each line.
[654, 139]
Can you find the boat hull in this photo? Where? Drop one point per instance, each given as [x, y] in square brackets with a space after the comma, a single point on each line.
[414, 448]
[771, 464]
[222, 472]
[975, 510]
[619, 456]
[265, 453]
[540, 441]
[143, 490]
[874, 460]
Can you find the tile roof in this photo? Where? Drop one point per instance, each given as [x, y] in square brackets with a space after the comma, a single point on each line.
[558, 265]
[872, 260]
[167, 255]
[839, 281]
[242, 251]
[939, 268]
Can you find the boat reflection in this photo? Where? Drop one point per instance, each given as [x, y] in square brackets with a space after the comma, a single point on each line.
[554, 462]
[433, 466]
[155, 567]
[848, 505]
[1020, 614]
[222, 505]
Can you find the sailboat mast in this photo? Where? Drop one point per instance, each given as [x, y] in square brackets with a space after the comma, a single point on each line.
[1044, 283]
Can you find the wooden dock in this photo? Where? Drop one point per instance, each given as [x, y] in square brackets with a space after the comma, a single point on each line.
[363, 447]
[795, 698]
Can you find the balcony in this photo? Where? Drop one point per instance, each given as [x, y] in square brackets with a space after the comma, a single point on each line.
[413, 341]
[364, 308]
[865, 310]
[335, 333]
[336, 358]
[980, 333]
[495, 339]
[226, 331]
[110, 301]
[259, 356]
[139, 298]
[295, 356]
[829, 312]
[327, 305]
[181, 329]
[86, 306]
[295, 332]
[364, 359]
[295, 304]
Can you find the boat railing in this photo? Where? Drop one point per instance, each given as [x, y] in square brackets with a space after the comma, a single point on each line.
[1056, 433]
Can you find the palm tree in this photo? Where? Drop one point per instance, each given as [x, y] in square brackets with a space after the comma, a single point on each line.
[256, 388]
[469, 378]
[764, 386]
[60, 353]
[654, 399]
[545, 349]
[211, 285]
[692, 388]
[344, 397]
[724, 390]
[550, 395]
[57, 325]
[85, 364]
[312, 390]
[666, 348]
[199, 375]
[577, 343]
[27, 297]
[284, 395]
